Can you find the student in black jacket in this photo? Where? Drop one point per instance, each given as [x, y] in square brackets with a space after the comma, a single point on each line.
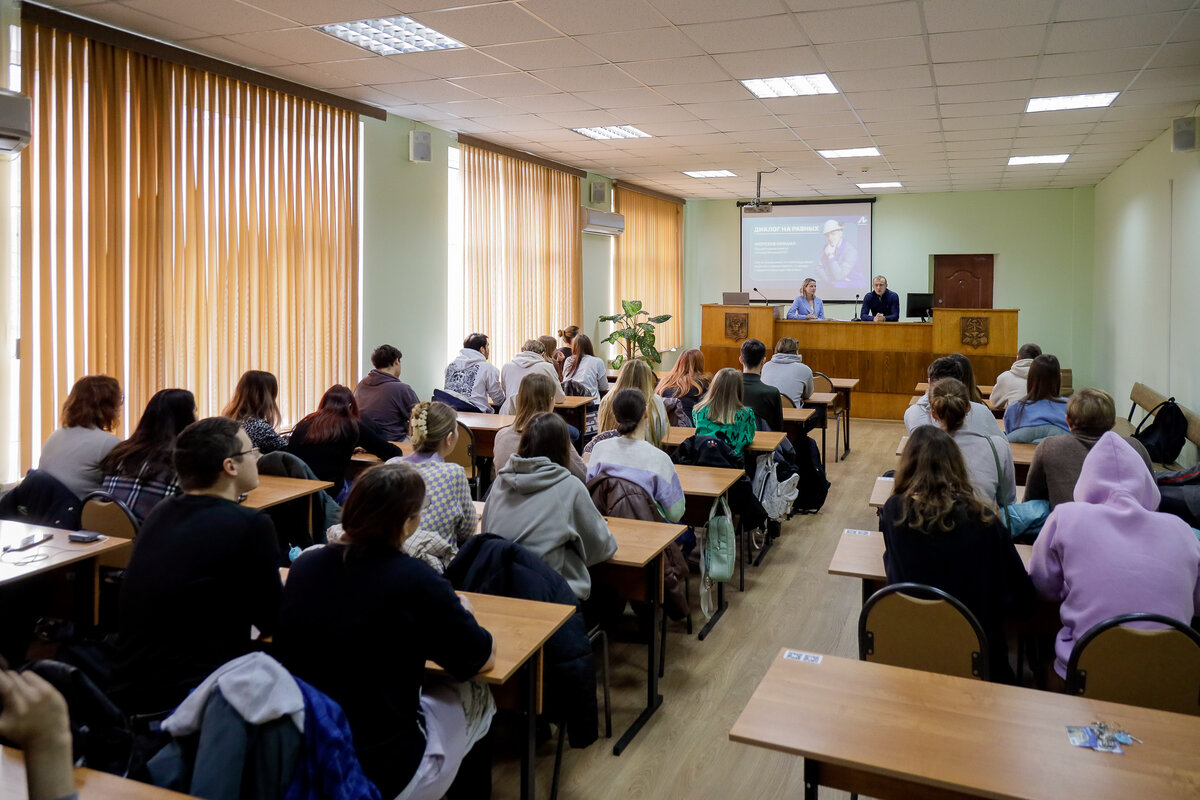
[938, 532]
[762, 397]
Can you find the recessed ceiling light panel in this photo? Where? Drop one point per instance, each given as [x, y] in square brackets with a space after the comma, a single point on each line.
[710, 173]
[613, 132]
[853, 152]
[1067, 102]
[391, 36]
[1016, 161]
[791, 86]
[882, 185]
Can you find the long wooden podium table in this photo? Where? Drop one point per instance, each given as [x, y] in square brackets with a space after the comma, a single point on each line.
[888, 358]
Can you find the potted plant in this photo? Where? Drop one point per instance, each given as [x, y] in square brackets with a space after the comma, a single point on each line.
[634, 334]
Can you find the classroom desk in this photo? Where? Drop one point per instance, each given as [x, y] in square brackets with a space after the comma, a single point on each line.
[275, 489]
[882, 490]
[701, 486]
[845, 387]
[764, 441]
[54, 554]
[573, 410]
[91, 784]
[815, 399]
[887, 731]
[793, 425]
[484, 428]
[636, 571]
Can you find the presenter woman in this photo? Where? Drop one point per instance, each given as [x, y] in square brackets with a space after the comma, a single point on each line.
[807, 305]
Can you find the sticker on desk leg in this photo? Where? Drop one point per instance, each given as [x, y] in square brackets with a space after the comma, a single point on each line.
[798, 655]
[856, 532]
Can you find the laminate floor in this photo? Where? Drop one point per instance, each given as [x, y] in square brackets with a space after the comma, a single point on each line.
[791, 600]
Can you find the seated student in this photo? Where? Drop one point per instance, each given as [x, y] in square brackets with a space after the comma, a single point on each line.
[788, 373]
[360, 619]
[73, 453]
[537, 503]
[138, 471]
[1058, 459]
[881, 304]
[385, 401]
[636, 375]
[686, 381]
[471, 378]
[989, 458]
[526, 362]
[327, 438]
[448, 509]
[968, 378]
[567, 335]
[1041, 412]
[722, 414]
[255, 405]
[938, 532]
[1011, 384]
[1109, 552]
[631, 457]
[536, 396]
[204, 569]
[33, 716]
[762, 397]
[583, 367]
[979, 418]
[549, 343]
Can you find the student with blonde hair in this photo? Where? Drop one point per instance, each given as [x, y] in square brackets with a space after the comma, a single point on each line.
[631, 457]
[988, 458]
[637, 375]
[567, 335]
[687, 380]
[536, 396]
[722, 414]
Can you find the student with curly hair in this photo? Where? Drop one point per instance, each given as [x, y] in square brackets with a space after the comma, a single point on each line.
[448, 510]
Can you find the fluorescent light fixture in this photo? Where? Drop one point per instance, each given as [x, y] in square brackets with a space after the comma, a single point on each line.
[853, 152]
[883, 185]
[1071, 101]
[391, 36]
[791, 86]
[1016, 161]
[613, 132]
[710, 173]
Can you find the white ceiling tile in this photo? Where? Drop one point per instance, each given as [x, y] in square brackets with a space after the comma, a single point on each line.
[302, 73]
[539, 104]
[578, 17]
[1098, 34]
[724, 110]
[1125, 137]
[1076, 129]
[1014, 42]
[1048, 144]
[746, 124]
[461, 63]
[904, 126]
[516, 84]
[640, 45]
[468, 126]
[1081, 84]
[413, 6]
[808, 104]
[584, 79]
[943, 16]
[706, 92]
[975, 134]
[517, 122]
[992, 109]
[766, 136]
[497, 23]
[876, 54]
[1059, 65]
[811, 132]
[428, 92]
[217, 17]
[682, 12]
[1135, 97]
[419, 112]
[891, 99]
[238, 53]
[868, 80]
[984, 92]
[473, 108]
[1003, 121]
[995, 70]
[869, 115]
[826, 119]
[702, 140]
[301, 45]
[1168, 110]
[771, 63]
[322, 12]
[637, 116]
[674, 129]
[373, 70]
[745, 34]
[1169, 76]
[622, 98]
[850, 24]
[368, 94]
[557, 53]
[582, 119]
[1095, 9]
[662, 72]
[131, 19]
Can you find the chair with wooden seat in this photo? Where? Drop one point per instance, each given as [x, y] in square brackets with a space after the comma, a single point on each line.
[105, 514]
[1157, 668]
[921, 627]
[787, 401]
[464, 455]
[836, 409]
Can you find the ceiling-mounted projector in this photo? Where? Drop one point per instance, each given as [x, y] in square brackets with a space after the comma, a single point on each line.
[757, 208]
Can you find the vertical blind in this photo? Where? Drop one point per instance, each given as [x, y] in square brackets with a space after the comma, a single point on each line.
[521, 249]
[649, 260]
[178, 228]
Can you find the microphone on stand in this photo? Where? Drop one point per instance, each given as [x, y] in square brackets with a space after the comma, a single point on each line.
[766, 300]
[856, 317]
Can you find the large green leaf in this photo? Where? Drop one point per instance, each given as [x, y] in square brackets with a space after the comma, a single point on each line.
[631, 307]
[616, 362]
[651, 353]
[661, 318]
[646, 326]
[612, 318]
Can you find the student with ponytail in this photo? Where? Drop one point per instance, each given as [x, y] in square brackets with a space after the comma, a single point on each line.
[631, 457]
[988, 458]
[448, 510]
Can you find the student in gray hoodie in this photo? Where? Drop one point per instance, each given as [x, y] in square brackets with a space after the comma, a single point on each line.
[537, 503]
[788, 373]
[526, 362]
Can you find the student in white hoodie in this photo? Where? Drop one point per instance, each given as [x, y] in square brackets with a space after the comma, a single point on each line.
[526, 362]
[1011, 384]
[471, 378]
[788, 373]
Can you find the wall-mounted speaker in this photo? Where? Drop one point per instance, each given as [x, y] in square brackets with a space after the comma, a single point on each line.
[420, 147]
[599, 193]
[1183, 134]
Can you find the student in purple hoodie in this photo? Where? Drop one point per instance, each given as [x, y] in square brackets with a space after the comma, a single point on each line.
[383, 399]
[1111, 553]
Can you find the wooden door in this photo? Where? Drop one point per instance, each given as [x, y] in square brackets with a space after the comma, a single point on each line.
[962, 281]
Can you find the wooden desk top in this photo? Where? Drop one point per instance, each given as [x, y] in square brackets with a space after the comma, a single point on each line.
[574, 402]
[406, 449]
[844, 383]
[984, 389]
[820, 398]
[978, 738]
[882, 490]
[1022, 452]
[764, 441]
[519, 628]
[860, 555]
[640, 542]
[57, 552]
[707, 481]
[275, 489]
[479, 421]
[91, 784]
[797, 414]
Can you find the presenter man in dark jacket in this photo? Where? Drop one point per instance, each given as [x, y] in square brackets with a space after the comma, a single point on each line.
[881, 305]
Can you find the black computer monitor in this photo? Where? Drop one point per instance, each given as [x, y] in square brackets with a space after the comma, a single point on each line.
[920, 304]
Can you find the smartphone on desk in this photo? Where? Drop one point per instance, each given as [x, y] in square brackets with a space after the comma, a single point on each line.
[32, 540]
[83, 537]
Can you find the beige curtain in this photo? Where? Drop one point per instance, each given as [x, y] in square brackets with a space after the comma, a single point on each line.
[521, 249]
[179, 228]
[649, 260]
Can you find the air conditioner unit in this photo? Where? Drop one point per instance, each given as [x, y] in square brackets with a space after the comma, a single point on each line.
[16, 116]
[604, 223]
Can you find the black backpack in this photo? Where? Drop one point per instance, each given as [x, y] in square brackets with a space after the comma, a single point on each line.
[1163, 438]
[813, 486]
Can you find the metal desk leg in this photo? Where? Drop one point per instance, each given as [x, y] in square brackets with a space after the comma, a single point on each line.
[528, 703]
[812, 779]
[653, 698]
[846, 424]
